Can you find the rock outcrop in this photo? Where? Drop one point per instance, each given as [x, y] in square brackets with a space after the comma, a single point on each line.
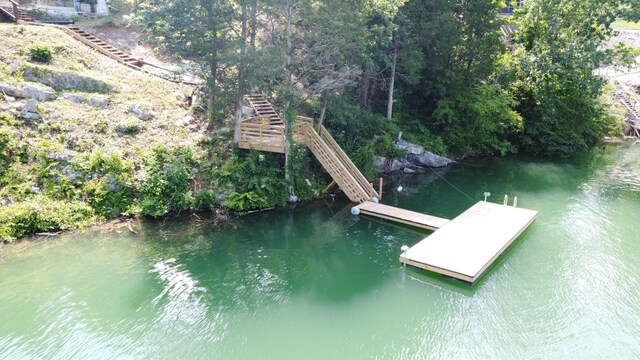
[64, 80]
[415, 160]
[30, 112]
[39, 93]
[143, 115]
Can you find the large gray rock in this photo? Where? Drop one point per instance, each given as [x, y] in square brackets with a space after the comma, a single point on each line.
[415, 160]
[30, 111]
[410, 148]
[39, 93]
[416, 155]
[59, 157]
[112, 182]
[74, 98]
[429, 159]
[63, 80]
[396, 165]
[380, 163]
[139, 113]
[98, 103]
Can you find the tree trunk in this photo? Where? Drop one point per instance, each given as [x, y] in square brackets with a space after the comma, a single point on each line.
[212, 89]
[253, 24]
[288, 114]
[366, 80]
[392, 82]
[323, 109]
[213, 63]
[241, 73]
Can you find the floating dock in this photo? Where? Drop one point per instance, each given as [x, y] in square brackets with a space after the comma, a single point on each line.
[402, 216]
[466, 246]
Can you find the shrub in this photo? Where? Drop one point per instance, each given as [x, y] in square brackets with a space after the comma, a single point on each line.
[108, 189]
[164, 182]
[109, 196]
[130, 127]
[7, 149]
[40, 53]
[245, 201]
[260, 173]
[39, 214]
[204, 200]
[422, 136]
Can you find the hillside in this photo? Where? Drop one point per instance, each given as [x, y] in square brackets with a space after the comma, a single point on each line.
[80, 136]
[94, 121]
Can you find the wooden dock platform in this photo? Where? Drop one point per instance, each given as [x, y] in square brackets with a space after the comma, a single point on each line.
[466, 246]
[402, 216]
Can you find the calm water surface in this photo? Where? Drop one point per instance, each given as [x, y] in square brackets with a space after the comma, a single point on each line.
[314, 283]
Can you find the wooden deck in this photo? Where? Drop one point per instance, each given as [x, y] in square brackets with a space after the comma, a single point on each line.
[260, 133]
[402, 216]
[467, 245]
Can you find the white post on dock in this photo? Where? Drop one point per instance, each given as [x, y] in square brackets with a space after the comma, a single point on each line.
[506, 200]
[404, 250]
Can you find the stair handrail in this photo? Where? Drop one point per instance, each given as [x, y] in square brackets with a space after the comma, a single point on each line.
[359, 177]
[16, 11]
[261, 135]
[359, 191]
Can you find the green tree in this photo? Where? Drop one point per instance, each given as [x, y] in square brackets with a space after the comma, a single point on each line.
[200, 30]
[552, 71]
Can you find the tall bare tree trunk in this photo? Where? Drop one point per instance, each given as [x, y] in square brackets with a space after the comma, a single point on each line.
[253, 24]
[392, 82]
[323, 110]
[213, 63]
[288, 115]
[241, 74]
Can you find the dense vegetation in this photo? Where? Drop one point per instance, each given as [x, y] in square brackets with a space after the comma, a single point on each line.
[437, 69]
[92, 158]
[437, 72]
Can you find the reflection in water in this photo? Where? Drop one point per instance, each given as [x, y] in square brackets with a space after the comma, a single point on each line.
[181, 297]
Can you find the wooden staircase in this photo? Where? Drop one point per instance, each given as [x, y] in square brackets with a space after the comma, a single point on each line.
[633, 117]
[264, 109]
[266, 132]
[338, 165]
[13, 12]
[124, 58]
[104, 47]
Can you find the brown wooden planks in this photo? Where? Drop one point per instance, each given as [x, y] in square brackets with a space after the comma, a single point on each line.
[402, 216]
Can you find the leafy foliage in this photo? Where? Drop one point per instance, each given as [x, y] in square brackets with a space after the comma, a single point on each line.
[40, 214]
[259, 173]
[245, 201]
[164, 182]
[7, 151]
[493, 120]
[552, 73]
[40, 53]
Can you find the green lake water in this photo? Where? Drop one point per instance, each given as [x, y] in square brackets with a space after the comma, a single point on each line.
[312, 282]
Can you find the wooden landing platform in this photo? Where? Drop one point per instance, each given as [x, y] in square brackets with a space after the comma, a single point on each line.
[402, 216]
[466, 246]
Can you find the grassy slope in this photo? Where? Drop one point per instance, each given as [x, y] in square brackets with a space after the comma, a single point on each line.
[80, 121]
[31, 185]
[626, 25]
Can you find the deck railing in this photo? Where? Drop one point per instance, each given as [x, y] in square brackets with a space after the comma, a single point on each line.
[10, 8]
[344, 158]
[16, 11]
[257, 133]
